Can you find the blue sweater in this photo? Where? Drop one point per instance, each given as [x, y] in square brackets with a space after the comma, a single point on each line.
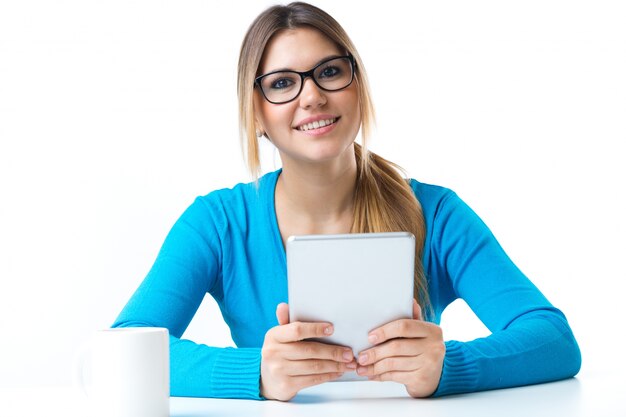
[228, 244]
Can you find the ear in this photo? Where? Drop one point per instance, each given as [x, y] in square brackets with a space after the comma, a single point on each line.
[258, 127]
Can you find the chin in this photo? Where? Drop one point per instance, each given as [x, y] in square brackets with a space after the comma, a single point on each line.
[325, 154]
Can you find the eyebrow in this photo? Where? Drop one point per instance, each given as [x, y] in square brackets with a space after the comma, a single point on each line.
[315, 65]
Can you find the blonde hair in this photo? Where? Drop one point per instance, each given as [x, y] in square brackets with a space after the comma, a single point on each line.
[383, 200]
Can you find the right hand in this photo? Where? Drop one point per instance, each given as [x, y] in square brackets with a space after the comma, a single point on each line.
[289, 364]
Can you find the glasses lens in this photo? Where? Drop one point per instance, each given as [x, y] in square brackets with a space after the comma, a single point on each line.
[281, 86]
[334, 74]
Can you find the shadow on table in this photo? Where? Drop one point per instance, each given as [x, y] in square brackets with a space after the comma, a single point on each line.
[555, 398]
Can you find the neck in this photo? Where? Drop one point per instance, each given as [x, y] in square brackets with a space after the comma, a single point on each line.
[318, 195]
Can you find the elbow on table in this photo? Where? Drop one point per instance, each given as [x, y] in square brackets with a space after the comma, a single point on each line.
[575, 356]
[565, 354]
[555, 353]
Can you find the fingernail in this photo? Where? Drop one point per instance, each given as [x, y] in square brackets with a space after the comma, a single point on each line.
[348, 356]
[328, 330]
[351, 365]
[363, 358]
[372, 338]
[360, 370]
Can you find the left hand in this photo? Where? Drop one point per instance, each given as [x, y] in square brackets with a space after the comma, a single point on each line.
[406, 351]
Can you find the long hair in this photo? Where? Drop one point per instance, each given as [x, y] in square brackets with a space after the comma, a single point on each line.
[383, 199]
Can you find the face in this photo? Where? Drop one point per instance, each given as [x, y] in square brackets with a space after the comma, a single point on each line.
[288, 125]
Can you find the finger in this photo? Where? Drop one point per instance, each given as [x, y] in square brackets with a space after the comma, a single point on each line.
[317, 350]
[402, 377]
[282, 313]
[396, 347]
[400, 328]
[296, 331]
[314, 367]
[396, 363]
[374, 337]
[417, 311]
[305, 381]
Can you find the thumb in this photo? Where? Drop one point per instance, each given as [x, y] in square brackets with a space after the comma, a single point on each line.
[282, 313]
[417, 311]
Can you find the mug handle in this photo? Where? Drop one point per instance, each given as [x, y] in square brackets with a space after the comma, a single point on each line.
[80, 358]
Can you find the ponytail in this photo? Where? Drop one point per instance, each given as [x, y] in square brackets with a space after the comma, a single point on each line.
[385, 202]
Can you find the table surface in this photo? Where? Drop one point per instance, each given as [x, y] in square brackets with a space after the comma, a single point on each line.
[594, 394]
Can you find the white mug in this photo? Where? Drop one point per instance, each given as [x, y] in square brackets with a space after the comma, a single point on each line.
[130, 372]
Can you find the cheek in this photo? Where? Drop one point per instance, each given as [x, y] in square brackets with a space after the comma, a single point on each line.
[275, 117]
[351, 102]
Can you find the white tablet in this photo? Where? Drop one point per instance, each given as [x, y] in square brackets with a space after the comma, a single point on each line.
[357, 282]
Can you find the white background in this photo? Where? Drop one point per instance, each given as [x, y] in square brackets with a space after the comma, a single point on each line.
[114, 115]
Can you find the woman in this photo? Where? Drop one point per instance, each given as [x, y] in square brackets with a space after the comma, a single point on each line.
[302, 85]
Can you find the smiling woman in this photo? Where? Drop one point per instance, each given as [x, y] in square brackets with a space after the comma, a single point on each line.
[302, 85]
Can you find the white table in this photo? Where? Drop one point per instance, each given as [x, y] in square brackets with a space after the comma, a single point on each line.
[597, 394]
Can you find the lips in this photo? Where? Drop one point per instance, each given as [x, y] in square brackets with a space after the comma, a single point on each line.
[316, 122]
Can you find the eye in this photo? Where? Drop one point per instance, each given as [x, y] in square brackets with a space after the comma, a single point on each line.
[330, 71]
[281, 83]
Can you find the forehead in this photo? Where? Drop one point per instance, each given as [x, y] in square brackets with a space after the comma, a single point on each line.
[297, 49]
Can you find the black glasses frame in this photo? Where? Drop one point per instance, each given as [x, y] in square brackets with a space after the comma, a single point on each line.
[304, 75]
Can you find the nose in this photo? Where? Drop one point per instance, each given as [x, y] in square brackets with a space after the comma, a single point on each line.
[311, 95]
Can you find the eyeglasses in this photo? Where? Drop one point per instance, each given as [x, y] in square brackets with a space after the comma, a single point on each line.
[333, 74]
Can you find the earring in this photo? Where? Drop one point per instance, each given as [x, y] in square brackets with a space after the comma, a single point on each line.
[259, 133]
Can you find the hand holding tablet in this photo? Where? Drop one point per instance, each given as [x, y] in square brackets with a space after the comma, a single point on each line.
[351, 296]
[290, 362]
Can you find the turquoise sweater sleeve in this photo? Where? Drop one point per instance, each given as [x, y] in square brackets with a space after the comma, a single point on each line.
[531, 341]
[187, 267]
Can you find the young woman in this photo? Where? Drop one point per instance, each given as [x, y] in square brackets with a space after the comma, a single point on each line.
[303, 87]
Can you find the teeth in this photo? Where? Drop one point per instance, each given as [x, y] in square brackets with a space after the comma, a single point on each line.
[316, 124]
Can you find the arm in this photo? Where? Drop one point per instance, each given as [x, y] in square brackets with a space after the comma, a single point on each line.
[531, 341]
[187, 267]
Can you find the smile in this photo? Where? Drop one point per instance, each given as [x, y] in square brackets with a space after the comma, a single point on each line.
[317, 124]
